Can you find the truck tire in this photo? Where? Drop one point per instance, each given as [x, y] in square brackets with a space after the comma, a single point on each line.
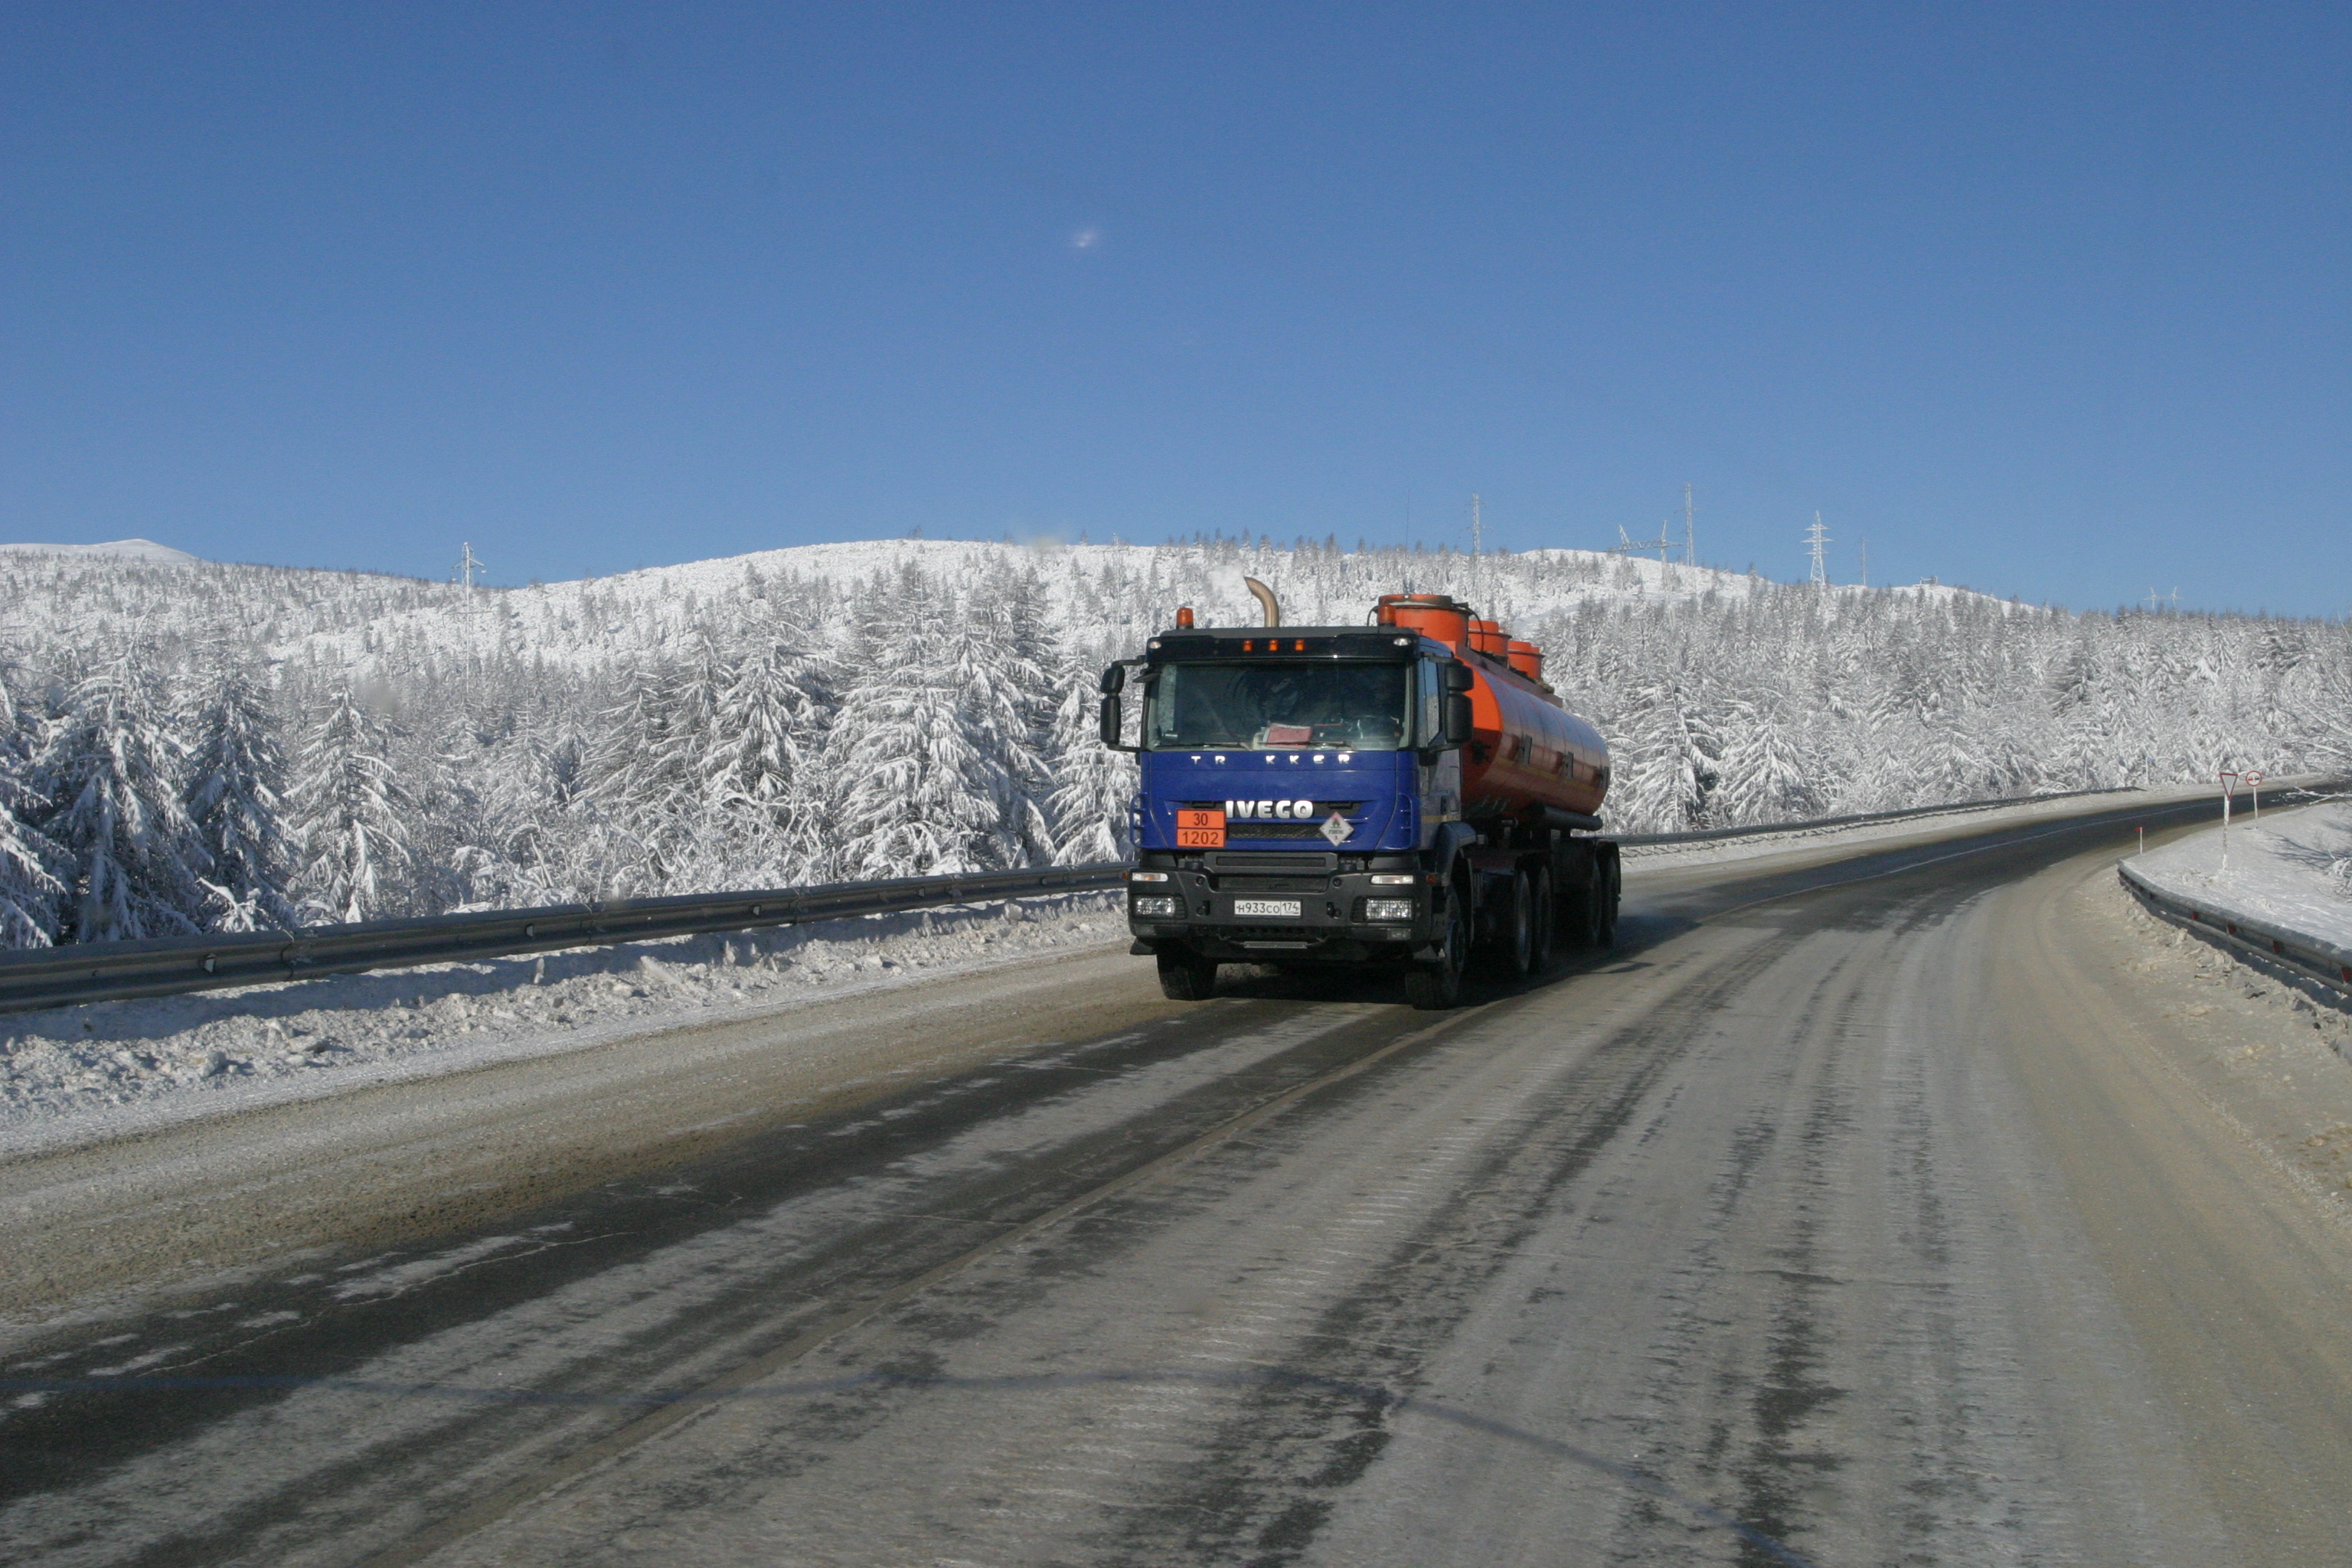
[1433, 987]
[1544, 910]
[1186, 976]
[1572, 901]
[1515, 929]
[1604, 915]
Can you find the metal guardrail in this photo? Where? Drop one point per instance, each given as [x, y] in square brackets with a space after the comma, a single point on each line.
[123, 970]
[1703, 835]
[120, 970]
[2308, 956]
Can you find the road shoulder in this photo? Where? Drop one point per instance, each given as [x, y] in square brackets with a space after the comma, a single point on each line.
[2200, 1130]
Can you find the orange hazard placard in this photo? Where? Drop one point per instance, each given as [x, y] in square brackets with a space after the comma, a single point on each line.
[1200, 830]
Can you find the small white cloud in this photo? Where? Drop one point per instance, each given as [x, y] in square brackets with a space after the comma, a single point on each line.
[1086, 239]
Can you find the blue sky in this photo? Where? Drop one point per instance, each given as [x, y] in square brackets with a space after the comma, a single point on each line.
[2052, 301]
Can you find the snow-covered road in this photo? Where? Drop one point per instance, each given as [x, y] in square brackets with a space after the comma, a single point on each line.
[1865, 1206]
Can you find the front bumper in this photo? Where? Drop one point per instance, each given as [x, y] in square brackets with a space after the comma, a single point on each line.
[1276, 919]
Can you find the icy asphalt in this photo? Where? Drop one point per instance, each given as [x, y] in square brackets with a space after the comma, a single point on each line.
[1868, 1205]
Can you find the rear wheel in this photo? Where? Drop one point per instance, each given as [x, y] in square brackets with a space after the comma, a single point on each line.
[1186, 976]
[1431, 986]
[1604, 901]
[1574, 903]
[1515, 929]
[1543, 909]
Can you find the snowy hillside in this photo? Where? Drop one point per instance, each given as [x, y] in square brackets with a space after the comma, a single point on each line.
[189, 745]
[591, 623]
[116, 550]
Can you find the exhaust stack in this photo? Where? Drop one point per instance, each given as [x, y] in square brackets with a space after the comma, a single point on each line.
[1264, 597]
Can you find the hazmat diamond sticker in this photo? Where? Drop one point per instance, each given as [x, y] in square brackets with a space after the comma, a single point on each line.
[1335, 829]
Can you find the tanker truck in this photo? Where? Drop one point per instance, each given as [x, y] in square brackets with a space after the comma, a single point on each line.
[1405, 794]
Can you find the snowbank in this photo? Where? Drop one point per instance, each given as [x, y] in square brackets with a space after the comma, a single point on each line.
[71, 1075]
[2293, 871]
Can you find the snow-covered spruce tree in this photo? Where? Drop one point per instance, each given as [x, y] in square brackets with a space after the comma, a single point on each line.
[541, 840]
[29, 885]
[768, 716]
[632, 733]
[1765, 774]
[235, 797]
[922, 749]
[1666, 761]
[1093, 784]
[110, 769]
[351, 813]
[1010, 656]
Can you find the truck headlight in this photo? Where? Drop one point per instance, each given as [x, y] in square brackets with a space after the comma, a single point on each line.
[1165, 907]
[1388, 909]
[1390, 880]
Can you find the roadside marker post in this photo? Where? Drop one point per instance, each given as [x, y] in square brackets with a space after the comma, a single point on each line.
[2229, 792]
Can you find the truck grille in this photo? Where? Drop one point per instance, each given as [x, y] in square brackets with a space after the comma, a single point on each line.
[1323, 808]
[1272, 861]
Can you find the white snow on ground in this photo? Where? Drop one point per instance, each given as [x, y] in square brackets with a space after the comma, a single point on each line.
[72, 1075]
[2294, 870]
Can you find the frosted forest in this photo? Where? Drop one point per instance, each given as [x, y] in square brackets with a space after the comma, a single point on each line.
[212, 747]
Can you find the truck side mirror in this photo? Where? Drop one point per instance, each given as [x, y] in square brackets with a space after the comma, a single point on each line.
[1110, 726]
[1458, 677]
[1458, 718]
[1114, 679]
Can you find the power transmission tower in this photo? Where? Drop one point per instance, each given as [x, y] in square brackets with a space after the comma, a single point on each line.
[1474, 523]
[1625, 546]
[1817, 539]
[2157, 601]
[1865, 541]
[466, 568]
[1690, 539]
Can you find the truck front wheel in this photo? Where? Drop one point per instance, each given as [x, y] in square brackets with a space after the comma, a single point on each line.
[1186, 976]
[1431, 986]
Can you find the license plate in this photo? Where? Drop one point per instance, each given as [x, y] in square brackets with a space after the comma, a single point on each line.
[1287, 908]
[1202, 830]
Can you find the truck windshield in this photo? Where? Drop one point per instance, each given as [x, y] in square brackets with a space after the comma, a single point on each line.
[1255, 706]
